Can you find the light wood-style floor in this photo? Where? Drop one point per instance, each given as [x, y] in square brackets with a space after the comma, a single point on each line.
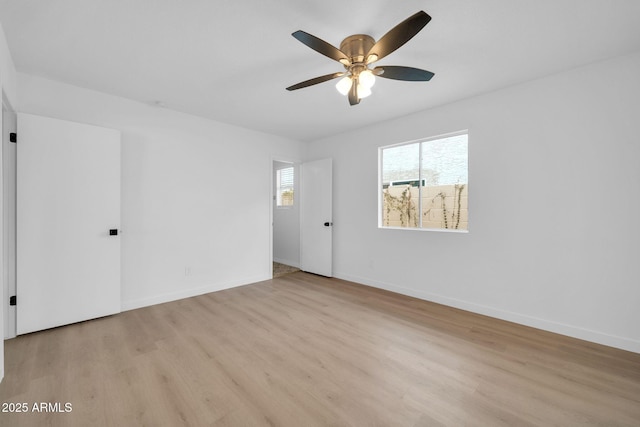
[302, 350]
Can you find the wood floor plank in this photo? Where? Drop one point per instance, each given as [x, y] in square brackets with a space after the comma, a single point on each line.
[303, 350]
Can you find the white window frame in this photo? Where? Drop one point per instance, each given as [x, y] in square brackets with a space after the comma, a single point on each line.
[420, 179]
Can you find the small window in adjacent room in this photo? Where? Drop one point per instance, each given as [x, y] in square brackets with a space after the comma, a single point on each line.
[424, 184]
[284, 187]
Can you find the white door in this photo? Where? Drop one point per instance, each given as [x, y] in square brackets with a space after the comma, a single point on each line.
[68, 201]
[316, 217]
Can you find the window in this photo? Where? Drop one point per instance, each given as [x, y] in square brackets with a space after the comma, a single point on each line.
[284, 187]
[424, 184]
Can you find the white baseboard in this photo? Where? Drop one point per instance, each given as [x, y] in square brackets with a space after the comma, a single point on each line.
[295, 264]
[174, 296]
[534, 322]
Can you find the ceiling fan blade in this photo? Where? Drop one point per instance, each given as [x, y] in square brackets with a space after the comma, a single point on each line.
[398, 35]
[315, 81]
[353, 94]
[403, 73]
[321, 46]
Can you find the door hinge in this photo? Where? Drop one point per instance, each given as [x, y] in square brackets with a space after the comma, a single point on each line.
[13, 137]
[13, 300]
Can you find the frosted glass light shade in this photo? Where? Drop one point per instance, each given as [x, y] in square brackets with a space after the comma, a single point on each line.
[367, 79]
[363, 91]
[344, 85]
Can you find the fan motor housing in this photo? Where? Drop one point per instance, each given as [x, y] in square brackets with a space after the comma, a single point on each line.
[356, 47]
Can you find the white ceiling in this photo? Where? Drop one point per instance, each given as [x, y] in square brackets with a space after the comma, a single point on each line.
[232, 60]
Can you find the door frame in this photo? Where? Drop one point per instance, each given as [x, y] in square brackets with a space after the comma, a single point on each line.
[8, 191]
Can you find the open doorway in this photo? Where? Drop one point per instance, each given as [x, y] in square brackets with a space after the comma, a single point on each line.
[286, 217]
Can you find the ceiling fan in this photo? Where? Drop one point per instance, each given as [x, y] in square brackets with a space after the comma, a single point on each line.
[358, 51]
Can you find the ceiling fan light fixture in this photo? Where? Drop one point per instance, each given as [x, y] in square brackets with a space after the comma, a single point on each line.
[358, 51]
[344, 85]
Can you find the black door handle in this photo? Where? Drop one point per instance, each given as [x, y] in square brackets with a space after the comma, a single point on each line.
[327, 224]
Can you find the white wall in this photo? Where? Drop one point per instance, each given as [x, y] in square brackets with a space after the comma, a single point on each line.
[7, 71]
[569, 140]
[286, 223]
[195, 192]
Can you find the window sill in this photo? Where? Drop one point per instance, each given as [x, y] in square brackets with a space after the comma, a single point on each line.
[439, 230]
